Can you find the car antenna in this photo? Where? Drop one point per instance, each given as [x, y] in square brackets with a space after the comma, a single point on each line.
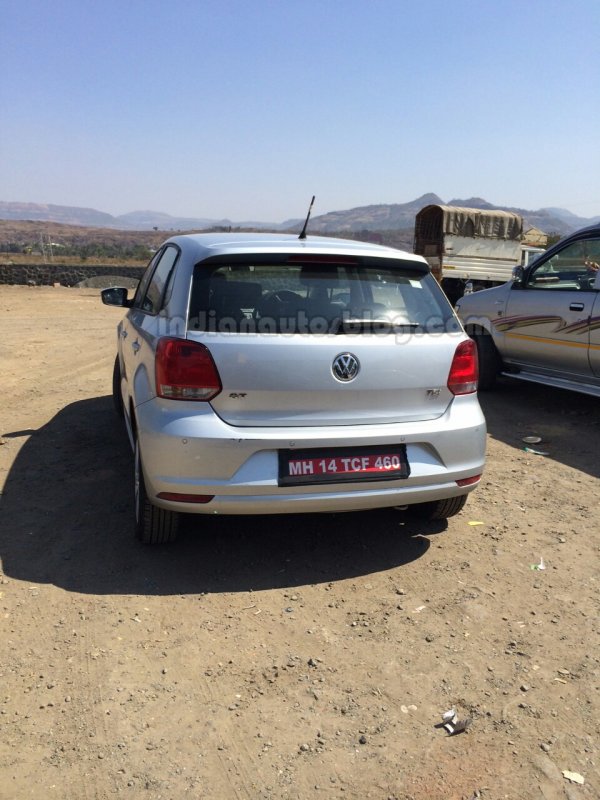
[303, 231]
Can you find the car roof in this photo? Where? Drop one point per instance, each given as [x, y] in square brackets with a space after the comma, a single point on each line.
[206, 245]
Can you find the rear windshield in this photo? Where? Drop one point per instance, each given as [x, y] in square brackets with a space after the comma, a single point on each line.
[316, 297]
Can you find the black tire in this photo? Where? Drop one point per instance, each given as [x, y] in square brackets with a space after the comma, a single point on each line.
[440, 509]
[153, 525]
[116, 388]
[489, 361]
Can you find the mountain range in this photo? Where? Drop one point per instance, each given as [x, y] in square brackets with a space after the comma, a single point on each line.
[383, 217]
[133, 221]
[401, 216]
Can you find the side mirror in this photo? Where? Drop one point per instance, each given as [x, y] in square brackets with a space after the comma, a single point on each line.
[518, 275]
[115, 296]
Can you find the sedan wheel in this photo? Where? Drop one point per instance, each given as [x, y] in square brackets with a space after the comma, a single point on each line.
[116, 388]
[153, 525]
[489, 361]
[440, 509]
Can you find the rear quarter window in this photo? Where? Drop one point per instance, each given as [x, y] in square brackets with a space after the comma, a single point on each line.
[156, 294]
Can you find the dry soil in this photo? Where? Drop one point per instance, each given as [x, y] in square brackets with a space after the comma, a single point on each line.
[293, 657]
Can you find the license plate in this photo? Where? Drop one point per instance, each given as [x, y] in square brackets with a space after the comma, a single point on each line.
[381, 462]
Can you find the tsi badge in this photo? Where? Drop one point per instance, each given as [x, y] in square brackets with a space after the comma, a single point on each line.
[345, 367]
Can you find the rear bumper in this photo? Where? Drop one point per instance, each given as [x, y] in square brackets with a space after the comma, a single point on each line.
[324, 502]
[187, 449]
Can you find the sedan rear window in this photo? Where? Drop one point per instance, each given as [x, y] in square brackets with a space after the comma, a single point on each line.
[316, 297]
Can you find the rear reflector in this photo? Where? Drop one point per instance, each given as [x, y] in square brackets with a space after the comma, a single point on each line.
[185, 371]
[185, 498]
[468, 481]
[464, 371]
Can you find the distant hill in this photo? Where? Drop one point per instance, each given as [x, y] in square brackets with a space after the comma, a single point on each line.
[397, 217]
[549, 220]
[133, 221]
[402, 216]
[145, 220]
[68, 215]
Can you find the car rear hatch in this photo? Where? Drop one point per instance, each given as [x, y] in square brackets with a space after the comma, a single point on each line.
[324, 340]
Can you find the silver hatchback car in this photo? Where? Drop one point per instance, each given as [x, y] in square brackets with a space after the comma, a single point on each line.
[267, 374]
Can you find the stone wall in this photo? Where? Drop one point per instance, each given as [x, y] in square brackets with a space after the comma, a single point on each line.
[69, 275]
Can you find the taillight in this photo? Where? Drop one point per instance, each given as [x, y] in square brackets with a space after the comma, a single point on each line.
[465, 481]
[185, 371]
[177, 497]
[464, 371]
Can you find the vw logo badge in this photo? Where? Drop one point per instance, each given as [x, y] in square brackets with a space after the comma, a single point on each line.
[345, 367]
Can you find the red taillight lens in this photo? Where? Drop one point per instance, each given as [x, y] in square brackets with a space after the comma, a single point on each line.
[464, 371]
[185, 371]
[467, 481]
[177, 497]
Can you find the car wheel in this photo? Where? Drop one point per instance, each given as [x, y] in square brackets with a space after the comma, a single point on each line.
[440, 509]
[489, 361]
[116, 388]
[153, 525]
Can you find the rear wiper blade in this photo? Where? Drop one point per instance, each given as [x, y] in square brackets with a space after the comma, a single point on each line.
[357, 324]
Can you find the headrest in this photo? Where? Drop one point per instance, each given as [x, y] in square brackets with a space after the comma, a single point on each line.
[318, 275]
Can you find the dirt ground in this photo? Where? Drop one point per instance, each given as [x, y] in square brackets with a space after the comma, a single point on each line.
[293, 657]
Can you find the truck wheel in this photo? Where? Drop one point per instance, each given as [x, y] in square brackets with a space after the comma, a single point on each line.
[440, 509]
[153, 525]
[489, 361]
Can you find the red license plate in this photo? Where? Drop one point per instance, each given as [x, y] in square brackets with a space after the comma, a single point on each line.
[382, 462]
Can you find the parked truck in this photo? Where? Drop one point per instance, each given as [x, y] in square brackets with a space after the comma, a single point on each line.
[470, 248]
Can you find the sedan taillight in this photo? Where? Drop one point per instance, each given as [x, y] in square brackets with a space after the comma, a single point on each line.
[464, 372]
[185, 371]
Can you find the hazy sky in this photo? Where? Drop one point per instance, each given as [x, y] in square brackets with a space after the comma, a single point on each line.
[245, 109]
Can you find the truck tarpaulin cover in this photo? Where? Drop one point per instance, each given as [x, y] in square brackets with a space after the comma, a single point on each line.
[456, 221]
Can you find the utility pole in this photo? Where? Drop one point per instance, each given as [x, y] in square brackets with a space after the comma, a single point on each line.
[42, 248]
